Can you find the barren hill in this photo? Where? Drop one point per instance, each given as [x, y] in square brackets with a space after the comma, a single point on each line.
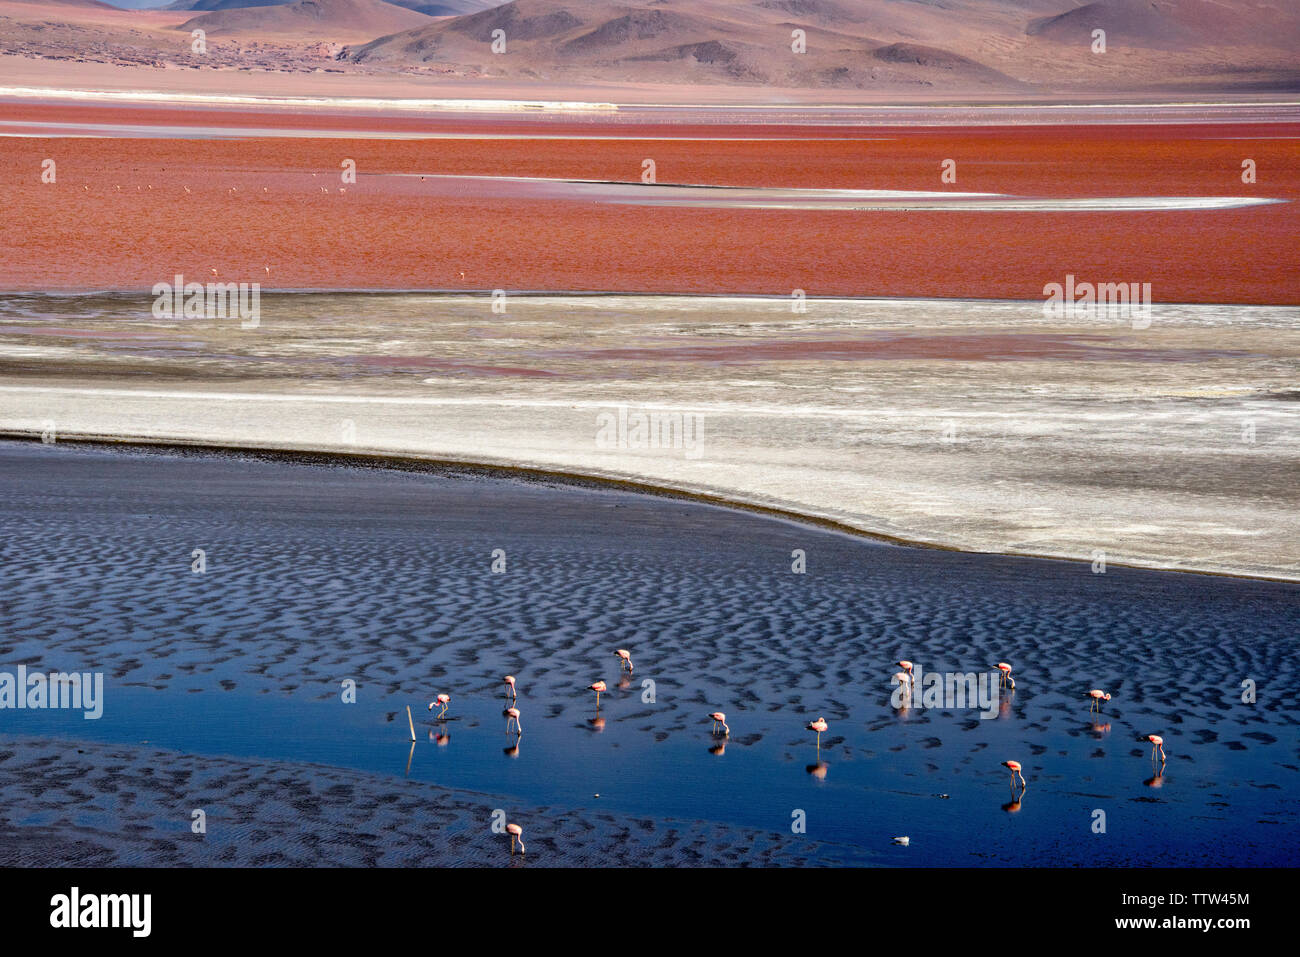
[909, 48]
[748, 41]
[311, 20]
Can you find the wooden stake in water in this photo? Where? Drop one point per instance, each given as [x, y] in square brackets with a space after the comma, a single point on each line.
[411, 722]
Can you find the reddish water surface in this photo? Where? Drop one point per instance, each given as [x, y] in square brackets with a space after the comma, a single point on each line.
[120, 217]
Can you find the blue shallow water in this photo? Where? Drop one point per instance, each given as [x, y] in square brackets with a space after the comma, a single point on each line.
[316, 574]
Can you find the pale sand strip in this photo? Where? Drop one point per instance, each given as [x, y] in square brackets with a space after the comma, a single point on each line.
[908, 494]
[976, 426]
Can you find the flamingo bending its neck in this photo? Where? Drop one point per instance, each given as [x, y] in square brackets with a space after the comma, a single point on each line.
[1015, 770]
[1157, 744]
[720, 719]
[512, 714]
[516, 834]
[510, 686]
[1097, 696]
[624, 658]
[443, 700]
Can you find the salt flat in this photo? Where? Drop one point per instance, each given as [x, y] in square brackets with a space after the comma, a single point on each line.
[966, 424]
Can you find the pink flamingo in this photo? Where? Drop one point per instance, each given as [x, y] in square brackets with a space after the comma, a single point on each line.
[1006, 675]
[516, 834]
[512, 714]
[1097, 696]
[720, 719]
[1015, 770]
[442, 699]
[510, 686]
[624, 658]
[597, 687]
[819, 726]
[906, 666]
[1157, 744]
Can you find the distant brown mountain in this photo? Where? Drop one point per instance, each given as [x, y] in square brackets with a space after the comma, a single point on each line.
[909, 48]
[431, 8]
[311, 20]
[208, 5]
[748, 41]
[887, 44]
[1176, 24]
[446, 8]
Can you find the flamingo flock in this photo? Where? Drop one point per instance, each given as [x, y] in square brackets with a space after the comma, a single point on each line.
[905, 678]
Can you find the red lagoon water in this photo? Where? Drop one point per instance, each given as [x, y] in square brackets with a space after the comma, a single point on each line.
[128, 212]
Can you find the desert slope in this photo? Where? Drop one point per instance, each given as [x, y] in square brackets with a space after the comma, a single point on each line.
[870, 44]
[432, 8]
[895, 49]
[311, 20]
[747, 41]
[209, 5]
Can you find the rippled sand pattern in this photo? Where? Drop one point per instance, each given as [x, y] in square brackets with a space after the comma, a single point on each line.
[316, 573]
[99, 806]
